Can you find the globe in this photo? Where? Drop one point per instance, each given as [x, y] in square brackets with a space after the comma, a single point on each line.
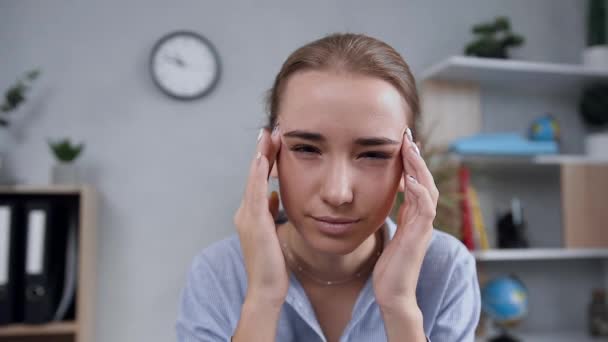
[505, 301]
[544, 128]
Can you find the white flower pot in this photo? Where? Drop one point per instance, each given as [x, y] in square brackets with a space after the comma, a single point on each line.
[66, 174]
[6, 144]
[596, 145]
[596, 57]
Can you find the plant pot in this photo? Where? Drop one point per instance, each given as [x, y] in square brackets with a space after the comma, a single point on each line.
[596, 145]
[65, 174]
[596, 57]
[6, 144]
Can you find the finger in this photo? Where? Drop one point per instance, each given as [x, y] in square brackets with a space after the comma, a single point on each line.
[426, 208]
[265, 144]
[258, 199]
[275, 146]
[408, 167]
[253, 179]
[250, 176]
[411, 204]
[421, 172]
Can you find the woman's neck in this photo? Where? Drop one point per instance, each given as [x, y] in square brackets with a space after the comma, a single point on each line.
[332, 266]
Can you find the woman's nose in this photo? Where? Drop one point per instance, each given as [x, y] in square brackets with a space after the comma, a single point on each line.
[337, 190]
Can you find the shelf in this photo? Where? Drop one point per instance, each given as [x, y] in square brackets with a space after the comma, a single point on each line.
[570, 159]
[540, 254]
[22, 189]
[559, 159]
[58, 328]
[515, 74]
[552, 337]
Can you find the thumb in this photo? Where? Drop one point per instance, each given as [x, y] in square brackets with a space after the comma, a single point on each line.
[273, 204]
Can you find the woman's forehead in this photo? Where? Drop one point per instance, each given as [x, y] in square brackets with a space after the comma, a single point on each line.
[346, 104]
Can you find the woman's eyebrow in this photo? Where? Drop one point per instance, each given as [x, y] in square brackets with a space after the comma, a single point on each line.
[363, 141]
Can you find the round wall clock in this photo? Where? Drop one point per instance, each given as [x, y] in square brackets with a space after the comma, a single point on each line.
[185, 65]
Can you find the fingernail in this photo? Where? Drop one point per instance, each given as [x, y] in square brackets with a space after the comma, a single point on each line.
[275, 130]
[259, 155]
[412, 179]
[408, 131]
[260, 134]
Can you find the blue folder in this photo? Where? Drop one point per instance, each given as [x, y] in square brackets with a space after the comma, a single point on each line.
[511, 144]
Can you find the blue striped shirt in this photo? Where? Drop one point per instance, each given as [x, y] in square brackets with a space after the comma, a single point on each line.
[447, 294]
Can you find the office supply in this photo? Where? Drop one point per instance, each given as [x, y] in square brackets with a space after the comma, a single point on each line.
[11, 264]
[44, 264]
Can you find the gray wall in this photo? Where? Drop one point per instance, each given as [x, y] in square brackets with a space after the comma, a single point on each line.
[170, 174]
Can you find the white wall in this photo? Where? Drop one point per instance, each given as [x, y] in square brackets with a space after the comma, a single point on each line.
[170, 174]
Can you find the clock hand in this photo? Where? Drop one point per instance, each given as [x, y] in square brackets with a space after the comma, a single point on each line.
[176, 60]
[180, 61]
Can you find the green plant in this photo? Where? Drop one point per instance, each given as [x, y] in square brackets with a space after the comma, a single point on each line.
[493, 39]
[64, 151]
[445, 174]
[15, 95]
[593, 105]
[596, 23]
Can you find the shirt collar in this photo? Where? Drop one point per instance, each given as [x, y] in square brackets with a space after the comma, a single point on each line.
[296, 296]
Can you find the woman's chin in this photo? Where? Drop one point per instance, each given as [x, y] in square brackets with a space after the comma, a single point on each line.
[331, 245]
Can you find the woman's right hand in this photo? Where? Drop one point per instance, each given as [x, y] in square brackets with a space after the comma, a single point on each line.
[267, 277]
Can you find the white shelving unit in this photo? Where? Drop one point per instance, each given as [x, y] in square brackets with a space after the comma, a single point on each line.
[451, 108]
[554, 336]
[557, 160]
[540, 254]
[537, 76]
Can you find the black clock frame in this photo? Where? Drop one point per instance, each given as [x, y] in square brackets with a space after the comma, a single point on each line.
[203, 40]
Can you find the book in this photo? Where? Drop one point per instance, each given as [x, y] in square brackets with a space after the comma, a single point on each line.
[467, 223]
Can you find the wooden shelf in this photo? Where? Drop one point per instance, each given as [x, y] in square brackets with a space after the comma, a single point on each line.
[540, 254]
[43, 189]
[515, 74]
[81, 329]
[58, 328]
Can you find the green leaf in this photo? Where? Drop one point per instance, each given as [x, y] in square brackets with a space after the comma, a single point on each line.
[64, 151]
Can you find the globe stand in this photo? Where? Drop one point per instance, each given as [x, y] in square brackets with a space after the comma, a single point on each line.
[504, 337]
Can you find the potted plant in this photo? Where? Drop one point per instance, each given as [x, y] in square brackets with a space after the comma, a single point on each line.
[14, 97]
[65, 171]
[493, 39]
[596, 53]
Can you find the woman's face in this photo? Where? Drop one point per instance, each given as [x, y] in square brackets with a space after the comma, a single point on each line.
[340, 154]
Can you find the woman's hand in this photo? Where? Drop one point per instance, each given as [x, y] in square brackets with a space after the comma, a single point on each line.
[267, 276]
[396, 272]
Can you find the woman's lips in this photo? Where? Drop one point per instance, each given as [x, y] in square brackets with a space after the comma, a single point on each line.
[335, 226]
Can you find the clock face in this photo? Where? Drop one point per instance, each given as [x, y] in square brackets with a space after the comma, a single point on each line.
[185, 65]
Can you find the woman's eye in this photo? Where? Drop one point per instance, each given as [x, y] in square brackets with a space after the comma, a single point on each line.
[307, 149]
[304, 149]
[376, 155]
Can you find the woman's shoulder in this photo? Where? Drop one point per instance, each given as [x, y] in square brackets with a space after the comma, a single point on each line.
[447, 261]
[445, 254]
[222, 260]
[446, 249]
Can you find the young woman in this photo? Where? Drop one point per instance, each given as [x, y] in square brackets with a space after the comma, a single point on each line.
[339, 139]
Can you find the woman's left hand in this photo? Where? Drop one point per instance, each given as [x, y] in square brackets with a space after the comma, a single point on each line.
[396, 272]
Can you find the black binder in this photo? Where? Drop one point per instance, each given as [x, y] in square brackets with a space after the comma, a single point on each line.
[12, 243]
[46, 236]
